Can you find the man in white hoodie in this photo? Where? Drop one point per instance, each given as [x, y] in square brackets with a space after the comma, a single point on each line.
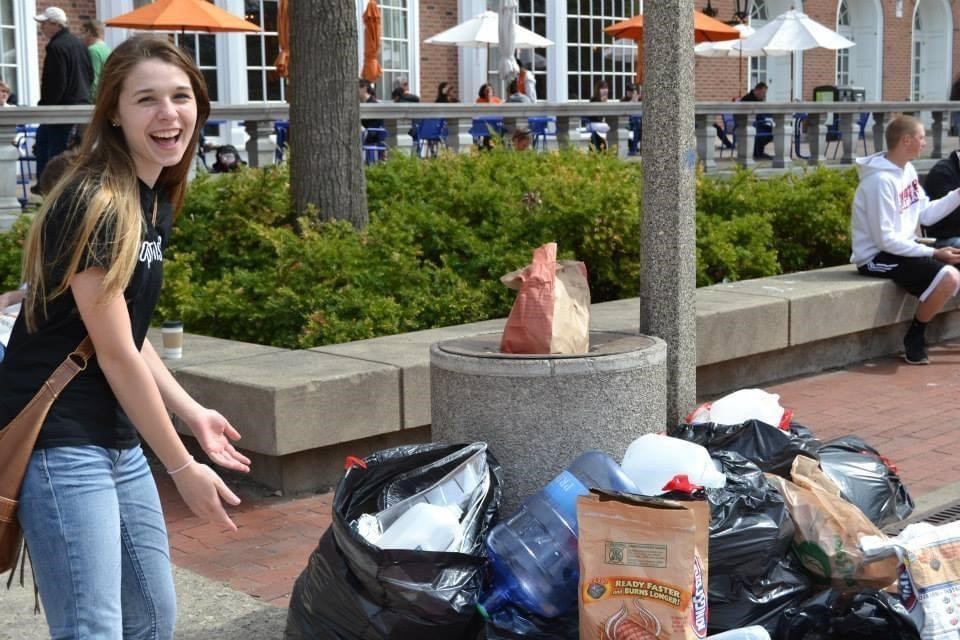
[888, 208]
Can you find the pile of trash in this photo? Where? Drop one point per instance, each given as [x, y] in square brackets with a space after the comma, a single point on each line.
[738, 522]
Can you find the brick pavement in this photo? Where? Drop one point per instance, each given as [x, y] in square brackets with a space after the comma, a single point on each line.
[906, 412]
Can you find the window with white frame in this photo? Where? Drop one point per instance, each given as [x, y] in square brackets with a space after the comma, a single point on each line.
[395, 45]
[202, 47]
[843, 55]
[917, 54]
[592, 55]
[532, 15]
[758, 65]
[8, 46]
[263, 82]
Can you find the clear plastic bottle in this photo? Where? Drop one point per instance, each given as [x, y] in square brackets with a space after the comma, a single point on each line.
[533, 555]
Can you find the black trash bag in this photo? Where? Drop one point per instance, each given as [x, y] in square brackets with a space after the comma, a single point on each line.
[354, 590]
[513, 623]
[770, 448]
[737, 602]
[835, 615]
[750, 525]
[866, 479]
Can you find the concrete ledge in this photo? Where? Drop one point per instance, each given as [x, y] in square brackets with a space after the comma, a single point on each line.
[301, 412]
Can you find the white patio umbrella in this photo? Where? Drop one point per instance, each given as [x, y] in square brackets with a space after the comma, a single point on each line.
[790, 32]
[621, 51]
[729, 49]
[508, 36]
[482, 31]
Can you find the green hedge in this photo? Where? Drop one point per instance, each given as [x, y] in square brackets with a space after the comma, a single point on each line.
[243, 266]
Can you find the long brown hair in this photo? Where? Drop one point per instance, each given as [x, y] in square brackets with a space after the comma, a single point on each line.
[103, 185]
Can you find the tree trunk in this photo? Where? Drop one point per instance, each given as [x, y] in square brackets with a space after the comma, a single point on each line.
[326, 166]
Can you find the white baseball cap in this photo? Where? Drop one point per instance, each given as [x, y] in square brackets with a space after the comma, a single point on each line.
[52, 14]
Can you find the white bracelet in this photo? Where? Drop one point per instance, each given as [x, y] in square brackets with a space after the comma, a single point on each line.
[179, 469]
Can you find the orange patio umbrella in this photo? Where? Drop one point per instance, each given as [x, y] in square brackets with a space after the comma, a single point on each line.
[705, 29]
[372, 31]
[282, 63]
[182, 15]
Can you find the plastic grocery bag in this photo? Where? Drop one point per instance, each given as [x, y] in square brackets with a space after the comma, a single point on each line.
[828, 530]
[351, 589]
[929, 580]
[743, 405]
[773, 450]
[552, 311]
[866, 479]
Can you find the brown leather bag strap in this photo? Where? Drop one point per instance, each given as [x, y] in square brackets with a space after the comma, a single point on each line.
[73, 364]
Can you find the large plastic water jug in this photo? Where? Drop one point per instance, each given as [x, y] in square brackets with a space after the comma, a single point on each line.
[652, 460]
[533, 555]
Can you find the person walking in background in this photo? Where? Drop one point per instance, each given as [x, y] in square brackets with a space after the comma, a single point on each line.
[526, 82]
[887, 207]
[66, 79]
[98, 50]
[93, 263]
[485, 95]
[446, 92]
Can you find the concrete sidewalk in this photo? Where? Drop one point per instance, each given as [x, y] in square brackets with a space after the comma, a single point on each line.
[238, 585]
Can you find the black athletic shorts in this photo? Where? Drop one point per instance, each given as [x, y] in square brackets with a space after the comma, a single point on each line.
[917, 275]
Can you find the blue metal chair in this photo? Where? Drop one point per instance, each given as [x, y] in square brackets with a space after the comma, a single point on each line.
[730, 131]
[429, 134]
[541, 127]
[26, 138]
[835, 134]
[374, 143]
[484, 129]
[281, 128]
[799, 121]
[635, 127]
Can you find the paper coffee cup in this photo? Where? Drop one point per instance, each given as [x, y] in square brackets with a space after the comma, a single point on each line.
[172, 334]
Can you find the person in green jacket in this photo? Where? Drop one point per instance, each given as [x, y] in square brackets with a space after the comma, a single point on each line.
[98, 49]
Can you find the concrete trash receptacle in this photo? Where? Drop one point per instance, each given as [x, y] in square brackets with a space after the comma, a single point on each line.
[538, 412]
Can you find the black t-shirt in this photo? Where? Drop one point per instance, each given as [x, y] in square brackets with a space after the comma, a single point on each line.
[87, 412]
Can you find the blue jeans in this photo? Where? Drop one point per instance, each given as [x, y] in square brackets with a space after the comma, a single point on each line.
[52, 140]
[94, 527]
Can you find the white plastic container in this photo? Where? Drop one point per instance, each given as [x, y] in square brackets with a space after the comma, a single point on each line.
[747, 404]
[755, 632]
[652, 460]
[424, 527]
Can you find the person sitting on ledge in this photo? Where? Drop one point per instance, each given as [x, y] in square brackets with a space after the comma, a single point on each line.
[887, 207]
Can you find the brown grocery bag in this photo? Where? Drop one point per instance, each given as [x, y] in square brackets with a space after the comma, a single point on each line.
[828, 529]
[643, 567]
[552, 311]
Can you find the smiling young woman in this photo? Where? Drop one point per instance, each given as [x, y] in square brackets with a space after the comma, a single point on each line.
[93, 262]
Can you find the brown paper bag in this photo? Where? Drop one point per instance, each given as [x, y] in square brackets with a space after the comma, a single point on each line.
[552, 311]
[643, 567]
[828, 529]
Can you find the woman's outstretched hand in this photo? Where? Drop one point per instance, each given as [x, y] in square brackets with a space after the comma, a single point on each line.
[214, 433]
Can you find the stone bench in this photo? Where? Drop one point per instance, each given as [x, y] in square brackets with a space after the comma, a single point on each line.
[302, 412]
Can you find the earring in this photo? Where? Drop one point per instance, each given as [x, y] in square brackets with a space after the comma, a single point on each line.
[115, 124]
